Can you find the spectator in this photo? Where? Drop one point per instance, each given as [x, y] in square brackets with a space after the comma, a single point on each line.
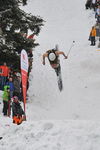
[88, 4]
[5, 70]
[94, 4]
[93, 35]
[4, 73]
[11, 85]
[6, 97]
[17, 111]
[17, 87]
[98, 14]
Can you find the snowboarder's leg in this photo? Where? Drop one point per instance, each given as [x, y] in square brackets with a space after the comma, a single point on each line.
[58, 70]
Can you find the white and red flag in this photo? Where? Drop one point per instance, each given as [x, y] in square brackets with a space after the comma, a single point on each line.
[24, 74]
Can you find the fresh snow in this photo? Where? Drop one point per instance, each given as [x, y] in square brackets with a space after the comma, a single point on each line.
[67, 120]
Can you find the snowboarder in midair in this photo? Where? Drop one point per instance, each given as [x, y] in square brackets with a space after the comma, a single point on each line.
[53, 57]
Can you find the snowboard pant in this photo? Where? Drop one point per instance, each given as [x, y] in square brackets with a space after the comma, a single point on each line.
[17, 120]
[5, 108]
[58, 70]
[11, 94]
[92, 40]
[2, 82]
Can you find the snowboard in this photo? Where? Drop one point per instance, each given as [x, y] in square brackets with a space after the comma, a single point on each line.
[60, 83]
[59, 78]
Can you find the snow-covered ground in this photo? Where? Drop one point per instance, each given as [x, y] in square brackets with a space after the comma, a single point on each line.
[51, 135]
[65, 22]
[67, 120]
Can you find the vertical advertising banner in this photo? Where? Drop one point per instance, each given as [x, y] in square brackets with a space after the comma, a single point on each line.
[24, 74]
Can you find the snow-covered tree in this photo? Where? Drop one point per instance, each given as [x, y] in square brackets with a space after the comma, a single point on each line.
[15, 25]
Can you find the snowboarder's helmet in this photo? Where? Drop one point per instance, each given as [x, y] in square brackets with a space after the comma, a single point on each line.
[52, 56]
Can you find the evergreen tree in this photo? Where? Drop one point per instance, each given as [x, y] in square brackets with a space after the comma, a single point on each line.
[14, 27]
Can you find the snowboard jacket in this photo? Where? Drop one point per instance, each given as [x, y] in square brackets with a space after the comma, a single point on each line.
[11, 85]
[6, 93]
[93, 32]
[4, 71]
[16, 83]
[17, 109]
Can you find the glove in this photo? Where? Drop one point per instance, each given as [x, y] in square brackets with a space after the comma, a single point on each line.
[24, 118]
[66, 57]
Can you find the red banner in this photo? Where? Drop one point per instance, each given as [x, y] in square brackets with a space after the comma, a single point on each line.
[24, 73]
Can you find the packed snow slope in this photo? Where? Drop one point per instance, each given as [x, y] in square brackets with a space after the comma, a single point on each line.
[65, 22]
[51, 135]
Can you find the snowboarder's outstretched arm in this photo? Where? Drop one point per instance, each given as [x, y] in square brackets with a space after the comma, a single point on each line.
[62, 53]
